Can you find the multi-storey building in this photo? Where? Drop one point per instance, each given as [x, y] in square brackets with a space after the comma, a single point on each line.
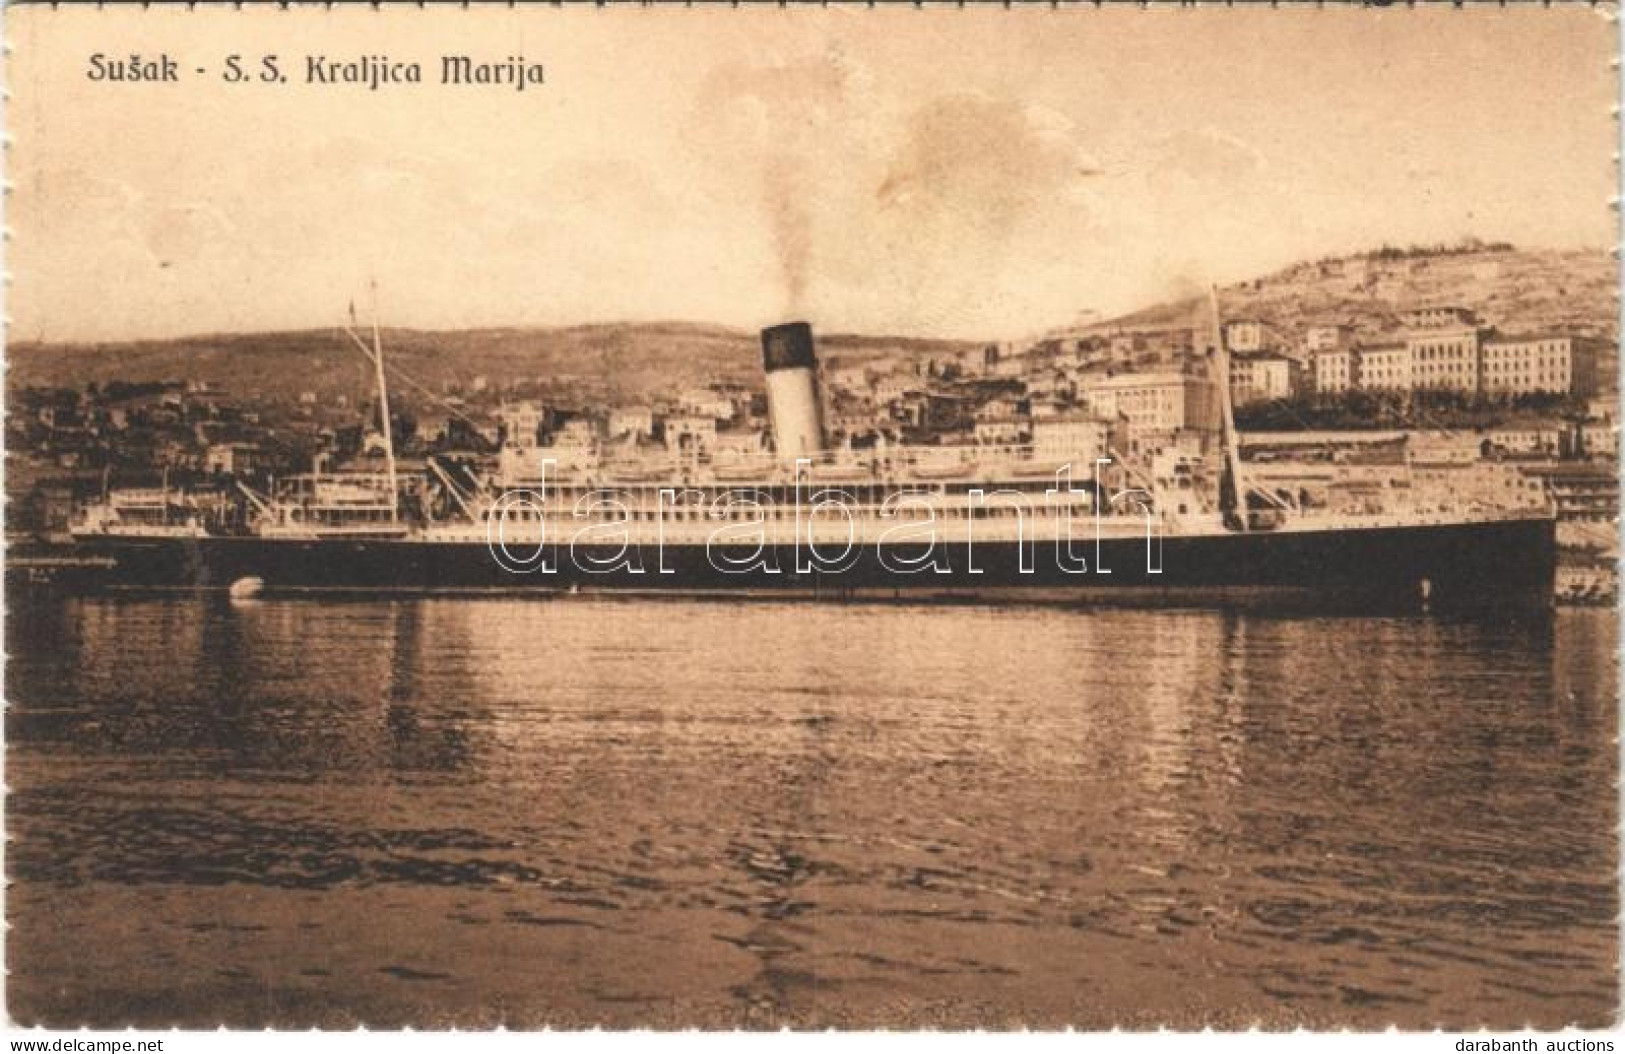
[1385, 367]
[1600, 439]
[1336, 370]
[1078, 437]
[1443, 315]
[1445, 359]
[1154, 402]
[1463, 359]
[1002, 429]
[1247, 335]
[1519, 365]
[1260, 376]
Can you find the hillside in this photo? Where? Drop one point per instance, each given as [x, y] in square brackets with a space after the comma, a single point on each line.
[1517, 290]
[1571, 292]
[623, 361]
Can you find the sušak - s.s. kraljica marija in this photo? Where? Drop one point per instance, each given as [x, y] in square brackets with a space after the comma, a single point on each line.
[366, 71]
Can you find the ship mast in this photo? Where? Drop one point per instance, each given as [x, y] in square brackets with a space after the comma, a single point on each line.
[1232, 495]
[376, 354]
[383, 410]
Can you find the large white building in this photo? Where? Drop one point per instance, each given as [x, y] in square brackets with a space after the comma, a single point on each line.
[1385, 367]
[1154, 402]
[1335, 370]
[1444, 359]
[1465, 360]
[1529, 364]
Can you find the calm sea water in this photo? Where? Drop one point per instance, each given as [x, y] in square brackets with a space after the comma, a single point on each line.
[592, 812]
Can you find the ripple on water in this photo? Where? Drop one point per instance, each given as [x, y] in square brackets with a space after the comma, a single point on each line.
[817, 813]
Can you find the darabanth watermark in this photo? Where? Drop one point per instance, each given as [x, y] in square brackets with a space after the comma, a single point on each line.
[823, 529]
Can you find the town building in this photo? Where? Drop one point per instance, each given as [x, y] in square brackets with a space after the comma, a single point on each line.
[1261, 376]
[702, 402]
[231, 458]
[1077, 437]
[1445, 359]
[631, 421]
[1002, 429]
[1385, 367]
[1326, 336]
[1247, 335]
[934, 411]
[1154, 402]
[849, 421]
[1438, 316]
[1526, 441]
[689, 434]
[1043, 407]
[1052, 384]
[1010, 366]
[1600, 440]
[887, 389]
[1005, 405]
[853, 379]
[1520, 365]
[1124, 346]
[1465, 360]
[1336, 370]
[522, 423]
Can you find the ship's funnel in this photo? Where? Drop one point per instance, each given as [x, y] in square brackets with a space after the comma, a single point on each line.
[788, 347]
[792, 390]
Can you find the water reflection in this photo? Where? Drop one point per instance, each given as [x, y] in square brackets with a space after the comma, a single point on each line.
[810, 814]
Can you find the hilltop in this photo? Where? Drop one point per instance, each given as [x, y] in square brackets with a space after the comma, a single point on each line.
[624, 361]
[1518, 290]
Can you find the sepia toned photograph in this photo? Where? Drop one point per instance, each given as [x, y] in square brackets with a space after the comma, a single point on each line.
[812, 517]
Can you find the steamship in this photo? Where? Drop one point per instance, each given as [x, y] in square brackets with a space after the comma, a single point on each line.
[1191, 526]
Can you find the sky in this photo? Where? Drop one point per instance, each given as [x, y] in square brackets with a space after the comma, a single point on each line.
[941, 172]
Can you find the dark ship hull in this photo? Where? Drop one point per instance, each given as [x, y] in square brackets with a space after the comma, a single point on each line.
[1506, 564]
